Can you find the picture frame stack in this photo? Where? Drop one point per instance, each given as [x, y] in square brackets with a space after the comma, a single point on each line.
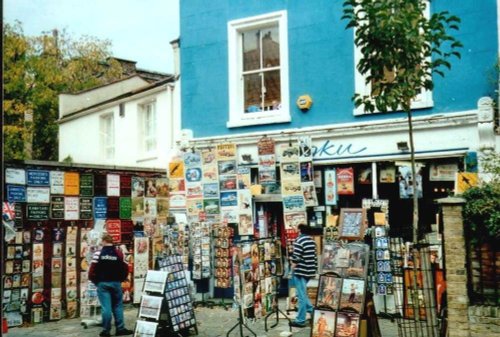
[341, 294]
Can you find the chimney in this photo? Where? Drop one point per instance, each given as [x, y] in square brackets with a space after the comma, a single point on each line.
[176, 44]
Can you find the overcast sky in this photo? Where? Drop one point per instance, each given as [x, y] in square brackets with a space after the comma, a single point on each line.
[139, 30]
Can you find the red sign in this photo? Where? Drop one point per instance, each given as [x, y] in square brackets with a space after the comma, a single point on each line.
[114, 228]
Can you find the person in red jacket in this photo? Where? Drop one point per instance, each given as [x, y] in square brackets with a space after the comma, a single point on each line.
[107, 271]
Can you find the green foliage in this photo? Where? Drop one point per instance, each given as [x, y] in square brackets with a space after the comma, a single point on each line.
[396, 37]
[36, 70]
[482, 209]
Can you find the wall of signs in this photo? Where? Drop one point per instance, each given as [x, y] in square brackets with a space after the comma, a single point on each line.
[58, 215]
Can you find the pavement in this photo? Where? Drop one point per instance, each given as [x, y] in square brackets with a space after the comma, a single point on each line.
[211, 322]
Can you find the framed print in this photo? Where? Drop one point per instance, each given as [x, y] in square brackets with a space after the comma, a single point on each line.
[145, 329]
[334, 258]
[155, 281]
[323, 323]
[150, 306]
[329, 292]
[347, 324]
[353, 291]
[358, 259]
[352, 223]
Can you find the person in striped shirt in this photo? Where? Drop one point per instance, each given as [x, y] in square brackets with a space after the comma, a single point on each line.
[304, 266]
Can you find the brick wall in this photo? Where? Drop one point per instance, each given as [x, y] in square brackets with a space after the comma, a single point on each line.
[464, 320]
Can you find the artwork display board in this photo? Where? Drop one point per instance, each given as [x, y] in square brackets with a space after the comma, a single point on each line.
[340, 300]
[201, 253]
[223, 238]
[257, 268]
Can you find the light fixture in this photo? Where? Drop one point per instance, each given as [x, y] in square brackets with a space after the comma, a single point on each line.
[403, 146]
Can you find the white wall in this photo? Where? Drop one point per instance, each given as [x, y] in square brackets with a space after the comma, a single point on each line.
[80, 137]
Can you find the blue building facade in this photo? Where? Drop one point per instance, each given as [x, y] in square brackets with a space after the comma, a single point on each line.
[320, 62]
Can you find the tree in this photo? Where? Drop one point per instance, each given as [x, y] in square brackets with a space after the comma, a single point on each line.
[36, 70]
[401, 48]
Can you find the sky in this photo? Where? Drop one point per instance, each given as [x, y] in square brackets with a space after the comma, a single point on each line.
[139, 30]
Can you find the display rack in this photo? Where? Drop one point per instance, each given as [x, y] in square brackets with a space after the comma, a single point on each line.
[166, 307]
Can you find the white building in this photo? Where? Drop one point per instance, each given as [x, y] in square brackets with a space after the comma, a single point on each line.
[130, 122]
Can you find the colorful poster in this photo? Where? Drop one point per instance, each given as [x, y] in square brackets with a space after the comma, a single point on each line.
[113, 228]
[387, 175]
[330, 187]
[137, 187]
[405, 182]
[226, 151]
[176, 170]
[464, 181]
[345, 181]
[71, 183]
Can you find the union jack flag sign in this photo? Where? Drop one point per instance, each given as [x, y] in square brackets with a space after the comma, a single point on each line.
[8, 212]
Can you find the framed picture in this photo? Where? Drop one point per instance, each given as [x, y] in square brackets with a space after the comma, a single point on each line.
[145, 329]
[358, 259]
[150, 306]
[329, 292]
[155, 281]
[352, 223]
[334, 258]
[347, 324]
[323, 323]
[352, 297]
[411, 293]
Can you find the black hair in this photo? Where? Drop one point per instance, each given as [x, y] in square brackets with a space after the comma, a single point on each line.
[303, 228]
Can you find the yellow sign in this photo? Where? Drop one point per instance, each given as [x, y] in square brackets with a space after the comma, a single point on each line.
[71, 183]
[464, 181]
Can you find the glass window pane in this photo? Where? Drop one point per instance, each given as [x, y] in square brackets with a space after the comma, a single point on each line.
[251, 51]
[253, 91]
[271, 47]
[272, 89]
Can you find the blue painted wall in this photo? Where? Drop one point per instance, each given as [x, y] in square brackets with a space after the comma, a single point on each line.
[321, 61]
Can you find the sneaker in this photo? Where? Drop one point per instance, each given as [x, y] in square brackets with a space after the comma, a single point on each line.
[124, 332]
[297, 324]
[104, 334]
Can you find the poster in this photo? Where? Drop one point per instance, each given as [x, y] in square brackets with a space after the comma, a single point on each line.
[38, 178]
[71, 183]
[15, 176]
[405, 182]
[56, 182]
[71, 208]
[345, 181]
[87, 185]
[113, 185]
[38, 195]
[330, 187]
[113, 227]
[464, 181]
[387, 175]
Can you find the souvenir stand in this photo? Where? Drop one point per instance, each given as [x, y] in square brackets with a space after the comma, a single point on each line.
[201, 253]
[166, 306]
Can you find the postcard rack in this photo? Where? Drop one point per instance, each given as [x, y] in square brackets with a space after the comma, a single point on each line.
[166, 306]
[340, 301]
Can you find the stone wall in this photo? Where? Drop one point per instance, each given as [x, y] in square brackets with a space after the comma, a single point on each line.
[484, 321]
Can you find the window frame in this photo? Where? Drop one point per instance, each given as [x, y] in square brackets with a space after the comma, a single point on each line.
[237, 115]
[107, 140]
[421, 101]
[144, 136]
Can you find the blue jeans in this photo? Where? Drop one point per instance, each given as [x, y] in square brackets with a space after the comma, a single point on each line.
[305, 305]
[111, 299]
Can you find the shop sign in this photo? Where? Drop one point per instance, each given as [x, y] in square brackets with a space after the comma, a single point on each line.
[328, 149]
[16, 193]
[71, 208]
[113, 185]
[57, 207]
[71, 183]
[125, 208]
[38, 178]
[100, 207]
[113, 227]
[38, 195]
[87, 185]
[85, 208]
[444, 172]
[38, 212]
[56, 182]
[15, 176]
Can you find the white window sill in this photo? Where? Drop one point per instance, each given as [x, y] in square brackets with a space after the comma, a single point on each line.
[258, 120]
[415, 105]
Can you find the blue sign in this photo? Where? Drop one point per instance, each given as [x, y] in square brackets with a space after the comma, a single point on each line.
[100, 207]
[16, 193]
[38, 178]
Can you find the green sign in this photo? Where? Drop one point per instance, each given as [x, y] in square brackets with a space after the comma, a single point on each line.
[125, 208]
[38, 212]
[86, 208]
[57, 207]
[87, 185]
